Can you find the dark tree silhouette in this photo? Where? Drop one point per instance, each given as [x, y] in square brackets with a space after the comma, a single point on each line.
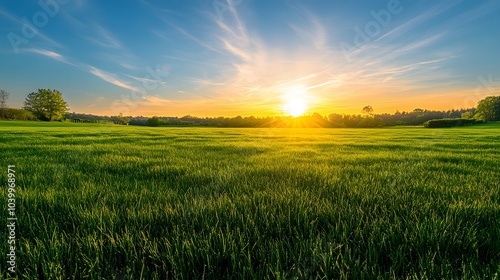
[368, 110]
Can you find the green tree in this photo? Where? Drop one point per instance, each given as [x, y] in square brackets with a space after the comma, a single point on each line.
[46, 104]
[467, 115]
[489, 108]
[154, 121]
[367, 122]
[4, 95]
[478, 117]
[122, 120]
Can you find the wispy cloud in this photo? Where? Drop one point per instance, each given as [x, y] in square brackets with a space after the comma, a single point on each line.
[146, 80]
[426, 16]
[257, 73]
[196, 40]
[260, 74]
[105, 38]
[39, 33]
[109, 48]
[311, 29]
[233, 60]
[96, 101]
[113, 79]
[49, 54]
[387, 46]
[101, 74]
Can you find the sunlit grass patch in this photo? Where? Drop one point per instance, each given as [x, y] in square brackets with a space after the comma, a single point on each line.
[110, 202]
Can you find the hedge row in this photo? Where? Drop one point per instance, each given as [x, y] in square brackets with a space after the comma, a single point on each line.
[450, 122]
[84, 121]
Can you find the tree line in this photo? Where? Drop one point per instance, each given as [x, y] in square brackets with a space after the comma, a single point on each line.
[416, 117]
[49, 105]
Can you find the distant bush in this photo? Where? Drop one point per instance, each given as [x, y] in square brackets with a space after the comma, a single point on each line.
[17, 114]
[78, 120]
[467, 115]
[450, 122]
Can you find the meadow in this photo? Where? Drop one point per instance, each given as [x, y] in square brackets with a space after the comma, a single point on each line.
[121, 202]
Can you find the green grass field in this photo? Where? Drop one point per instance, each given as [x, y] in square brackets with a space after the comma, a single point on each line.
[117, 202]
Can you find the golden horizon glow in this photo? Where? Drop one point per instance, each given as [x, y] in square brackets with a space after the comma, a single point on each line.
[295, 103]
[338, 101]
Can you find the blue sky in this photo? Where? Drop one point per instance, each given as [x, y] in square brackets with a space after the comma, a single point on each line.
[251, 57]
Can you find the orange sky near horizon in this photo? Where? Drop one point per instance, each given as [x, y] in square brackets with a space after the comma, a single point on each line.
[341, 103]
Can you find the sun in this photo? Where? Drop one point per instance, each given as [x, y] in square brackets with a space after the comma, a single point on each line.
[295, 108]
[295, 103]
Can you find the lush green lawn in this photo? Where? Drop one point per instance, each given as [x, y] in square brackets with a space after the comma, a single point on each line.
[97, 201]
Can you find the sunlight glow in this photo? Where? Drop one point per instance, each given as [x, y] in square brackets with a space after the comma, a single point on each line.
[295, 102]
